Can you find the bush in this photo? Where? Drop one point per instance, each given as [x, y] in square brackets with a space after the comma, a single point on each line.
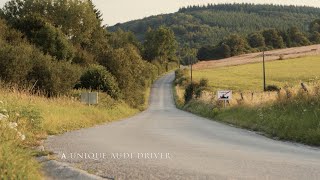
[281, 57]
[46, 37]
[51, 77]
[190, 92]
[203, 85]
[98, 78]
[133, 74]
[204, 82]
[15, 63]
[182, 77]
[195, 89]
[272, 88]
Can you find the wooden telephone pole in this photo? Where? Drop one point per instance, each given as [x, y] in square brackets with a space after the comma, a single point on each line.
[264, 72]
[191, 72]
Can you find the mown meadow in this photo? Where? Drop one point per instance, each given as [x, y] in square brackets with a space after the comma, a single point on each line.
[291, 113]
[250, 77]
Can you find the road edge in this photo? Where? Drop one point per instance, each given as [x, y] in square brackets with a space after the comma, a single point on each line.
[54, 170]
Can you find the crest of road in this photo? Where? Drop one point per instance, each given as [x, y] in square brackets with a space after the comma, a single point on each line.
[164, 142]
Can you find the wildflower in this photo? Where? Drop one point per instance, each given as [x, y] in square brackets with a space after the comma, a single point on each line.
[13, 125]
[21, 136]
[41, 148]
[2, 116]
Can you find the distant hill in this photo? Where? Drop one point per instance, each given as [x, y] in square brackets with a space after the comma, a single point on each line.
[199, 26]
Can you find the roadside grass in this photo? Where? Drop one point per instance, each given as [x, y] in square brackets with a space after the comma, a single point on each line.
[37, 117]
[249, 77]
[296, 119]
[292, 114]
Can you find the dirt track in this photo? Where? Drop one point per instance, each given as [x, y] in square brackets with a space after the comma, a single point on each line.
[257, 57]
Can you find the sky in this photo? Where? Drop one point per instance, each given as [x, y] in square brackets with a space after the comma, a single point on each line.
[119, 11]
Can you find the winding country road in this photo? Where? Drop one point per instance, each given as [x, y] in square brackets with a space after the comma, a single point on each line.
[192, 147]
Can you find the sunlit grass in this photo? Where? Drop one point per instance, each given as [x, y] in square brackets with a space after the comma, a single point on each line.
[249, 77]
[291, 114]
[38, 117]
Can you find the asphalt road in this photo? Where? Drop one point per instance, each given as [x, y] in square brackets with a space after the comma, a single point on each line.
[191, 147]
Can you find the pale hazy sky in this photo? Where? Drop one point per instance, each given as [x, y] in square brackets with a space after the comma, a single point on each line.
[115, 11]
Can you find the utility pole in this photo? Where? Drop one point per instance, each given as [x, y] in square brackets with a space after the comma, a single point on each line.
[191, 63]
[191, 72]
[264, 72]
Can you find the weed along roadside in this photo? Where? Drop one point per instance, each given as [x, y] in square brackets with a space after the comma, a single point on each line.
[26, 120]
[44, 68]
[290, 114]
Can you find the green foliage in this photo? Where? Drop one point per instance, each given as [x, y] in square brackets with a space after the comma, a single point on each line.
[214, 52]
[48, 38]
[190, 91]
[25, 65]
[256, 40]
[160, 44]
[272, 88]
[121, 38]
[237, 44]
[133, 74]
[202, 26]
[188, 56]
[77, 19]
[273, 39]
[204, 82]
[206, 53]
[315, 37]
[55, 26]
[83, 57]
[297, 38]
[53, 78]
[195, 89]
[15, 63]
[315, 26]
[98, 78]
[182, 77]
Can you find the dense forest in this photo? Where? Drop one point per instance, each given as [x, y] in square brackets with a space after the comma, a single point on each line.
[55, 46]
[267, 39]
[201, 26]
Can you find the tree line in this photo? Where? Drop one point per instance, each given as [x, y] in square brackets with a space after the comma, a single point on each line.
[268, 39]
[252, 8]
[201, 26]
[55, 46]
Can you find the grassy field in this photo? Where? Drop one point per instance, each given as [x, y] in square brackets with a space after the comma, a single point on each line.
[37, 117]
[249, 77]
[291, 114]
[296, 119]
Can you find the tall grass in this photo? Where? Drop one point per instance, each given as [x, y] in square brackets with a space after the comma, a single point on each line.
[249, 77]
[290, 114]
[295, 119]
[37, 117]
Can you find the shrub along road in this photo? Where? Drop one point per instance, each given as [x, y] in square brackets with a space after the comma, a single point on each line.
[198, 148]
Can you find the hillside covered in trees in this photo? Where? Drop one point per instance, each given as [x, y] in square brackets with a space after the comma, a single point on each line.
[55, 46]
[198, 26]
[202, 26]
